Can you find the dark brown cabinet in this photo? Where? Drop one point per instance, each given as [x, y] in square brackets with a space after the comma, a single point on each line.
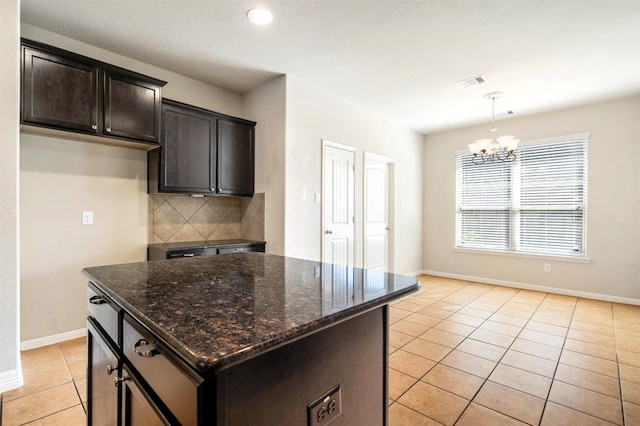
[235, 157]
[188, 151]
[58, 91]
[137, 408]
[65, 91]
[202, 152]
[102, 391]
[117, 393]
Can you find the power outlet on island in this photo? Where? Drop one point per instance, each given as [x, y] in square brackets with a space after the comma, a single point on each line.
[325, 409]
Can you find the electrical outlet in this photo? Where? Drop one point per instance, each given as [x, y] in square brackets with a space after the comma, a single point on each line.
[546, 267]
[325, 409]
[317, 198]
[316, 271]
[87, 218]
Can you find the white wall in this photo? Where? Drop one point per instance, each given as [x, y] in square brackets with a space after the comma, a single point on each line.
[61, 178]
[10, 374]
[613, 228]
[267, 106]
[313, 115]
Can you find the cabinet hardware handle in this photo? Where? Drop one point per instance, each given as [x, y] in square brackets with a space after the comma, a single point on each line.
[118, 380]
[94, 127]
[188, 254]
[145, 353]
[97, 300]
[328, 231]
[108, 129]
[110, 369]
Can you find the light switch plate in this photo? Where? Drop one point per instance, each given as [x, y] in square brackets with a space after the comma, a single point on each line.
[87, 218]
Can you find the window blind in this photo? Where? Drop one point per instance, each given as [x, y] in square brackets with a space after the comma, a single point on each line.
[536, 204]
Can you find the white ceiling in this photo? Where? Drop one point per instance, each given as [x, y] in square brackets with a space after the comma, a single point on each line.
[400, 58]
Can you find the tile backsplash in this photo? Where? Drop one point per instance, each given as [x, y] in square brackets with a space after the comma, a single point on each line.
[177, 218]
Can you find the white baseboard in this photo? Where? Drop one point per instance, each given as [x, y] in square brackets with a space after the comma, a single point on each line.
[50, 340]
[546, 289]
[414, 274]
[11, 380]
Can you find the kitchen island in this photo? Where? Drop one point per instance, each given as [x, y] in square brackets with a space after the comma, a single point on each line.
[242, 339]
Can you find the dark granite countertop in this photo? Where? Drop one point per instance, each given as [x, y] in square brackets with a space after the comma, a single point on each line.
[217, 310]
[203, 244]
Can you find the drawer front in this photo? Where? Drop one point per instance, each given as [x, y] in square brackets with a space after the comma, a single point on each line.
[175, 254]
[177, 390]
[237, 249]
[104, 311]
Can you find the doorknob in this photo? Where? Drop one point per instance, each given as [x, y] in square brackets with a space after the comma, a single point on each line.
[388, 228]
[328, 231]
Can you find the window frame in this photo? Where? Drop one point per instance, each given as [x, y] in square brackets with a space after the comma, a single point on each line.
[514, 209]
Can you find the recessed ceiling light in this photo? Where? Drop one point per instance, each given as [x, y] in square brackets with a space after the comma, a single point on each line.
[260, 16]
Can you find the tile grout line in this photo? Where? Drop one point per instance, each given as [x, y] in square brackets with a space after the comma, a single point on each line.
[498, 363]
[540, 305]
[615, 342]
[590, 371]
[546, 401]
[484, 320]
[395, 401]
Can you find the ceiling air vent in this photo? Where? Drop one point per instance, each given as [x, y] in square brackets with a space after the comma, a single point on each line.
[468, 82]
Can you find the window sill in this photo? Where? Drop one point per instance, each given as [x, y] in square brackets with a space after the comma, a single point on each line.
[524, 255]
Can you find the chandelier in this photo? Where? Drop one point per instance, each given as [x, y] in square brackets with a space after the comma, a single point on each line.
[501, 148]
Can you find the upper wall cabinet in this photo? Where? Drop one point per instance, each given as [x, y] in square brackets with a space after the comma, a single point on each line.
[202, 152]
[65, 91]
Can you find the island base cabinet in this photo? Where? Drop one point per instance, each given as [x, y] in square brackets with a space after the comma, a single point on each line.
[277, 387]
[102, 392]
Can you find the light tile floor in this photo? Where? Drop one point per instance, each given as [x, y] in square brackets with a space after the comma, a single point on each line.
[461, 353]
[465, 353]
[54, 390]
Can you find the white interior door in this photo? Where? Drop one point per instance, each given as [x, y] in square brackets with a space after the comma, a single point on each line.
[338, 192]
[378, 212]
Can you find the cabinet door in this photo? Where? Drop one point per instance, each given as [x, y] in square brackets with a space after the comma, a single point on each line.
[131, 108]
[235, 157]
[187, 151]
[59, 92]
[102, 394]
[136, 406]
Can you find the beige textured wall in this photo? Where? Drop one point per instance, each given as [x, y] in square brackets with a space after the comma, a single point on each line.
[613, 228]
[313, 115]
[10, 375]
[59, 180]
[267, 106]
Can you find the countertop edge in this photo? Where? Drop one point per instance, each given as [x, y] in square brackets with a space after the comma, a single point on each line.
[212, 365]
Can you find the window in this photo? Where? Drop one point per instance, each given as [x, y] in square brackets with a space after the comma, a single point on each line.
[535, 204]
